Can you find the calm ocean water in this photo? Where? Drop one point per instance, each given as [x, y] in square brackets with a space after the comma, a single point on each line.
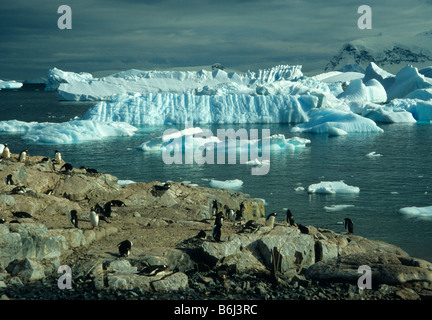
[401, 177]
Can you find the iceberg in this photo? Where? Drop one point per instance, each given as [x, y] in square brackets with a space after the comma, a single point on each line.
[374, 72]
[421, 212]
[10, 84]
[323, 120]
[421, 110]
[338, 207]
[74, 131]
[166, 108]
[81, 87]
[332, 187]
[56, 77]
[227, 184]
[371, 91]
[407, 80]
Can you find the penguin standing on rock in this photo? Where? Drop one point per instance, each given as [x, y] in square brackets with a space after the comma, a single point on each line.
[271, 219]
[94, 218]
[6, 152]
[217, 228]
[125, 248]
[23, 156]
[349, 226]
[9, 180]
[290, 218]
[214, 208]
[73, 218]
[58, 157]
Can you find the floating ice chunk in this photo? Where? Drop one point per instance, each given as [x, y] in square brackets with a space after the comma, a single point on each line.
[338, 207]
[227, 184]
[10, 84]
[299, 189]
[74, 131]
[373, 154]
[332, 187]
[323, 119]
[421, 212]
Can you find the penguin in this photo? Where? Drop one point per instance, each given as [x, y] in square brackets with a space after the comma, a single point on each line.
[73, 218]
[153, 270]
[290, 218]
[23, 156]
[217, 228]
[303, 229]
[9, 180]
[229, 213]
[94, 218]
[2, 221]
[19, 190]
[107, 209]
[91, 171]
[125, 248]
[271, 219]
[117, 203]
[158, 190]
[250, 226]
[98, 209]
[21, 214]
[51, 166]
[201, 235]
[58, 156]
[349, 226]
[6, 152]
[214, 208]
[67, 167]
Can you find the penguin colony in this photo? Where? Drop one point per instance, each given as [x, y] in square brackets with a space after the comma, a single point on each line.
[98, 213]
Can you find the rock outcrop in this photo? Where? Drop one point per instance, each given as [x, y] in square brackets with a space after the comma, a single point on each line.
[163, 223]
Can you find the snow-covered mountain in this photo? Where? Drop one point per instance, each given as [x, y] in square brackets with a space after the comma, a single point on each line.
[390, 54]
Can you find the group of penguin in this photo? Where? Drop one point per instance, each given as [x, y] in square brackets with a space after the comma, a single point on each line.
[252, 225]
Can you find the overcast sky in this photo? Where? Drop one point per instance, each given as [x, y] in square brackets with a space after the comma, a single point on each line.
[113, 35]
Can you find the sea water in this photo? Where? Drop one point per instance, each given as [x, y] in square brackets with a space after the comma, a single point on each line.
[397, 175]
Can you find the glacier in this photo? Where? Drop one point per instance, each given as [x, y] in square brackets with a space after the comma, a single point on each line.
[74, 131]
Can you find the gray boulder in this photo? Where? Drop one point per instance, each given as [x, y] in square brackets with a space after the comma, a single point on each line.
[386, 268]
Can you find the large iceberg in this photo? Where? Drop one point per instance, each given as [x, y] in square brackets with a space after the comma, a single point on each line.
[74, 131]
[166, 108]
[72, 86]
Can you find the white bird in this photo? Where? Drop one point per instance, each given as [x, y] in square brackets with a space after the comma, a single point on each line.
[94, 218]
[6, 152]
[58, 157]
[271, 219]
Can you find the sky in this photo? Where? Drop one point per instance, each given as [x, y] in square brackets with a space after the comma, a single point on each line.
[108, 36]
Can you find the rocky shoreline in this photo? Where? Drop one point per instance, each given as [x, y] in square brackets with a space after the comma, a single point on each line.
[271, 263]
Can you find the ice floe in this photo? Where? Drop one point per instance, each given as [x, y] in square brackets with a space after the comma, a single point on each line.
[74, 131]
[332, 187]
[226, 184]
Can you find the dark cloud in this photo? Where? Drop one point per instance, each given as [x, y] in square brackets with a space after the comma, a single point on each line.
[247, 34]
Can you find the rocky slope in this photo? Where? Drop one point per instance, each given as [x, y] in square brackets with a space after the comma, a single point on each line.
[163, 224]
